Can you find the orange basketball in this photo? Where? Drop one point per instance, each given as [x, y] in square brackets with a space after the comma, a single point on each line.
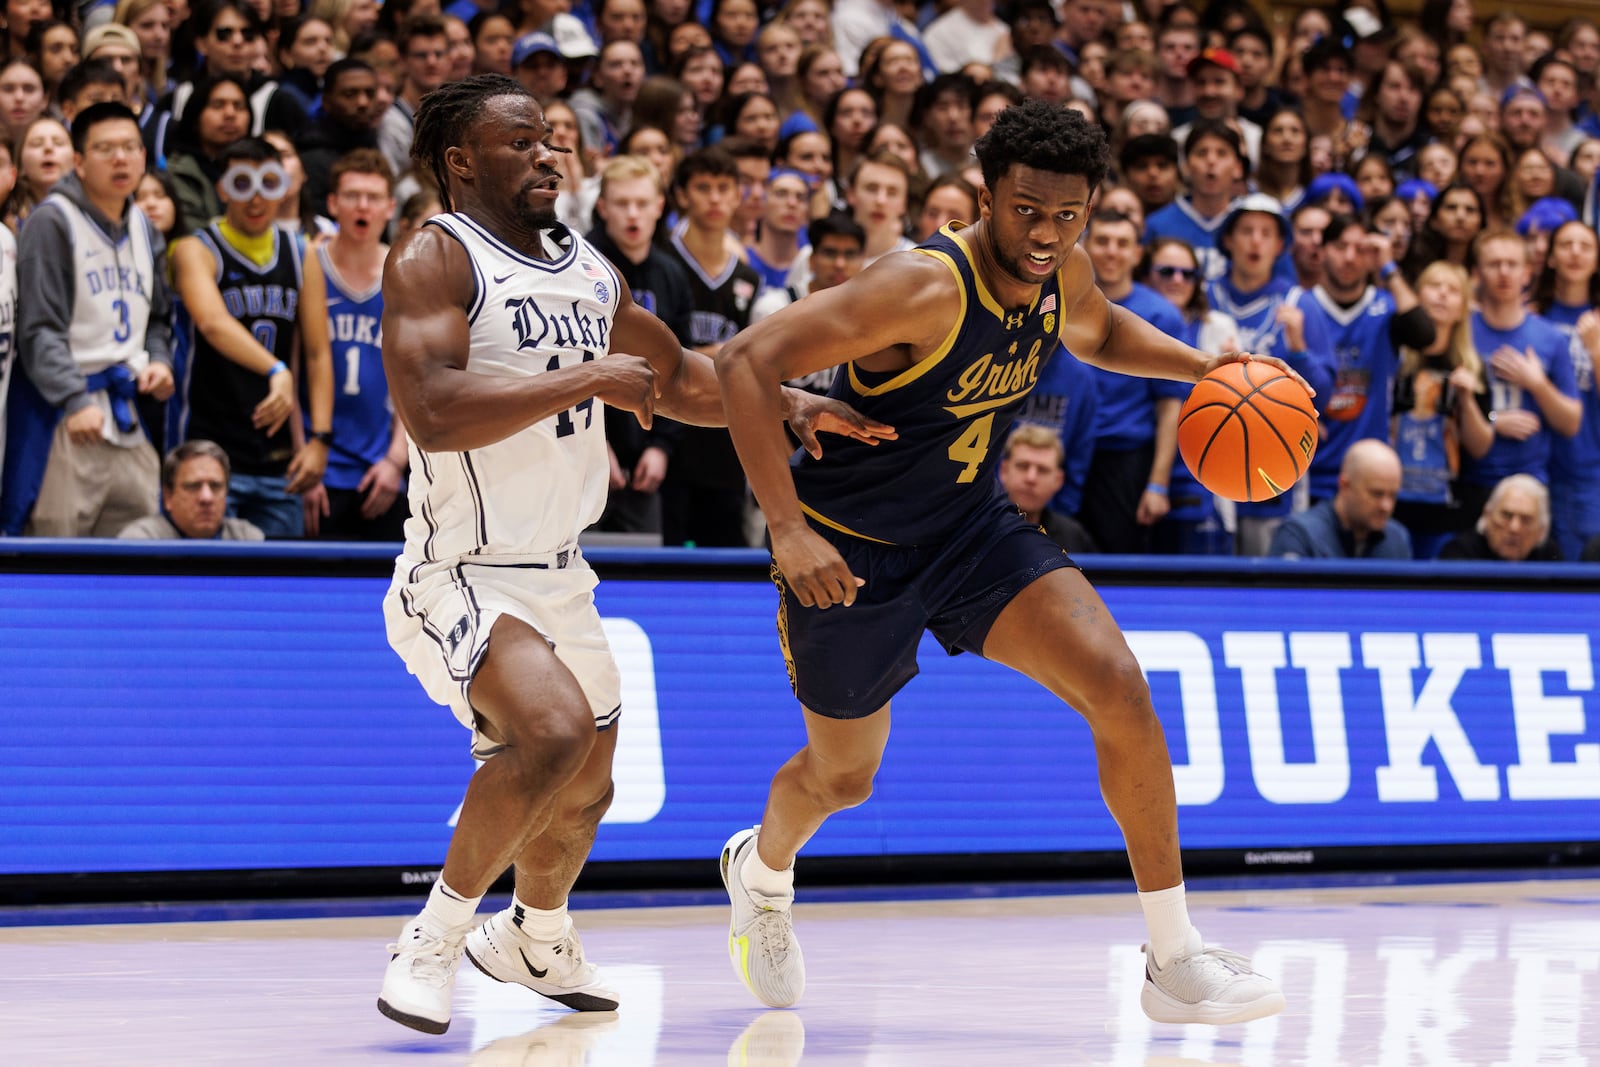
[1248, 431]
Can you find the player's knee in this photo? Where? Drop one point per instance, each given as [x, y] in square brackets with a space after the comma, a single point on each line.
[847, 788]
[1118, 689]
[551, 747]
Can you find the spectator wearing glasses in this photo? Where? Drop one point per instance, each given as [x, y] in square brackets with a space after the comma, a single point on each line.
[93, 335]
[227, 36]
[1514, 526]
[247, 289]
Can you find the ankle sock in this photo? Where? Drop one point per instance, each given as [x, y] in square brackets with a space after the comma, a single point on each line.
[537, 924]
[1166, 915]
[763, 881]
[448, 909]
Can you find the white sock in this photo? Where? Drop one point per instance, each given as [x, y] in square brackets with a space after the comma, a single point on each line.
[447, 909]
[538, 924]
[1166, 916]
[763, 881]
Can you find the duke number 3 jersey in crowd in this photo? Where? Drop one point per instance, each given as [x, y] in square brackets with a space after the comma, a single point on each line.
[531, 493]
[952, 411]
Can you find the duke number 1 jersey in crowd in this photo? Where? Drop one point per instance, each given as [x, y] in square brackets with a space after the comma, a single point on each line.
[952, 411]
[362, 414]
[531, 493]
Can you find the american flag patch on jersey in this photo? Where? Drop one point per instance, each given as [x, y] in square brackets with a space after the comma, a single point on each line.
[591, 270]
[1047, 304]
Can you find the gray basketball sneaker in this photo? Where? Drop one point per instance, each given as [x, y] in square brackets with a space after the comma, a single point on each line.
[761, 940]
[1210, 986]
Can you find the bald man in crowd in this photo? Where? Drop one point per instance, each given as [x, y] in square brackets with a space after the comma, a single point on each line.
[1357, 523]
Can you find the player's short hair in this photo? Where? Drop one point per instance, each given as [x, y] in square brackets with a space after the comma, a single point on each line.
[94, 115]
[1045, 137]
[195, 448]
[626, 169]
[361, 161]
[1034, 435]
[445, 118]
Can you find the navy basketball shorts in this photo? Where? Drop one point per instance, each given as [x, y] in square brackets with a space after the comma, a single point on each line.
[847, 662]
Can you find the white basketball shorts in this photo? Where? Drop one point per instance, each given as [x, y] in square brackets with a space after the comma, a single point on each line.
[440, 625]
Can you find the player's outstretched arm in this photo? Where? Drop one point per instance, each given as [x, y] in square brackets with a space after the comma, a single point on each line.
[1106, 335]
[427, 289]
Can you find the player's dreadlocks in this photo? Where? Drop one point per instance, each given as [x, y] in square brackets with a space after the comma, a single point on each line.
[444, 117]
[1045, 137]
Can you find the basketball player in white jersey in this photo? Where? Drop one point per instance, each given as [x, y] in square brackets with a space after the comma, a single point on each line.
[503, 339]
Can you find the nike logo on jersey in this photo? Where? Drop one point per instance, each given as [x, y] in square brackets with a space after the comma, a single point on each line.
[501, 279]
[536, 972]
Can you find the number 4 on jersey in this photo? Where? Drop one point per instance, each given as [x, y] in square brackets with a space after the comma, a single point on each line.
[972, 446]
[564, 424]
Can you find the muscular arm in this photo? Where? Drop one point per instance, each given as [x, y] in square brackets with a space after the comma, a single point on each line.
[903, 306]
[686, 379]
[316, 348]
[427, 287]
[1106, 335]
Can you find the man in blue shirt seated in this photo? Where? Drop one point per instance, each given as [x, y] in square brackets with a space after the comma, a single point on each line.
[1356, 523]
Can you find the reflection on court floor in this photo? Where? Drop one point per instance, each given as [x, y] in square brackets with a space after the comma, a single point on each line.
[1457, 975]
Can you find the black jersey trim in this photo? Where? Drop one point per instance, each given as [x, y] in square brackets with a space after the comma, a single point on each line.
[551, 266]
[478, 509]
[479, 289]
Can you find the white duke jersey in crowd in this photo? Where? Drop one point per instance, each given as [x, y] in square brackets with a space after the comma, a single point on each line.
[533, 492]
[114, 280]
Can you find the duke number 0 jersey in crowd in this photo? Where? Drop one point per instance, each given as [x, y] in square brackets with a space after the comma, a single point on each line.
[531, 493]
[952, 412]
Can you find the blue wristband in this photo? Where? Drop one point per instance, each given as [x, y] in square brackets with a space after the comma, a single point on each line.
[277, 368]
[1154, 488]
[1387, 271]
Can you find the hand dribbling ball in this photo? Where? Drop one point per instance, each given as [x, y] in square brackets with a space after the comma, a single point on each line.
[1248, 431]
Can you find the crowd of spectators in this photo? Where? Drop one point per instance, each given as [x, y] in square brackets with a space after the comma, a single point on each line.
[1403, 209]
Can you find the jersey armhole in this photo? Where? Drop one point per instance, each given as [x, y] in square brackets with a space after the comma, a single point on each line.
[479, 288]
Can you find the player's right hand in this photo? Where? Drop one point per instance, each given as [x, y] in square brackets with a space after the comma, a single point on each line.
[629, 383]
[814, 570]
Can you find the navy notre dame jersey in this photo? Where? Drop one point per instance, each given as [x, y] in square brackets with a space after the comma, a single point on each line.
[952, 412]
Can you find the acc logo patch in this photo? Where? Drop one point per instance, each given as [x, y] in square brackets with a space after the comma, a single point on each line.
[601, 293]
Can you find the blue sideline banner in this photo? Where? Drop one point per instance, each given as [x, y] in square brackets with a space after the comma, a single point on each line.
[156, 722]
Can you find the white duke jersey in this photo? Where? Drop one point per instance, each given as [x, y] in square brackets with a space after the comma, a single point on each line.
[532, 493]
[111, 304]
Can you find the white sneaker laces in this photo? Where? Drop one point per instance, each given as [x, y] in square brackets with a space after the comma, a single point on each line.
[432, 959]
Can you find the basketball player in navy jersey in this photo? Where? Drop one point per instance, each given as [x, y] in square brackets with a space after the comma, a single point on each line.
[502, 329]
[946, 342]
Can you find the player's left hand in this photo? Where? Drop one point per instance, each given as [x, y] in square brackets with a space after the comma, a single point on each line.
[306, 468]
[809, 415]
[156, 381]
[1251, 357]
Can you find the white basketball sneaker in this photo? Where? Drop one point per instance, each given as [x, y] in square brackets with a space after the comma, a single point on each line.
[421, 976]
[761, 940]
[1210, 986]
[553, 969]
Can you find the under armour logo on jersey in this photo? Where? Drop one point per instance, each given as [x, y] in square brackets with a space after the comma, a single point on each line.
[1015, 319]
